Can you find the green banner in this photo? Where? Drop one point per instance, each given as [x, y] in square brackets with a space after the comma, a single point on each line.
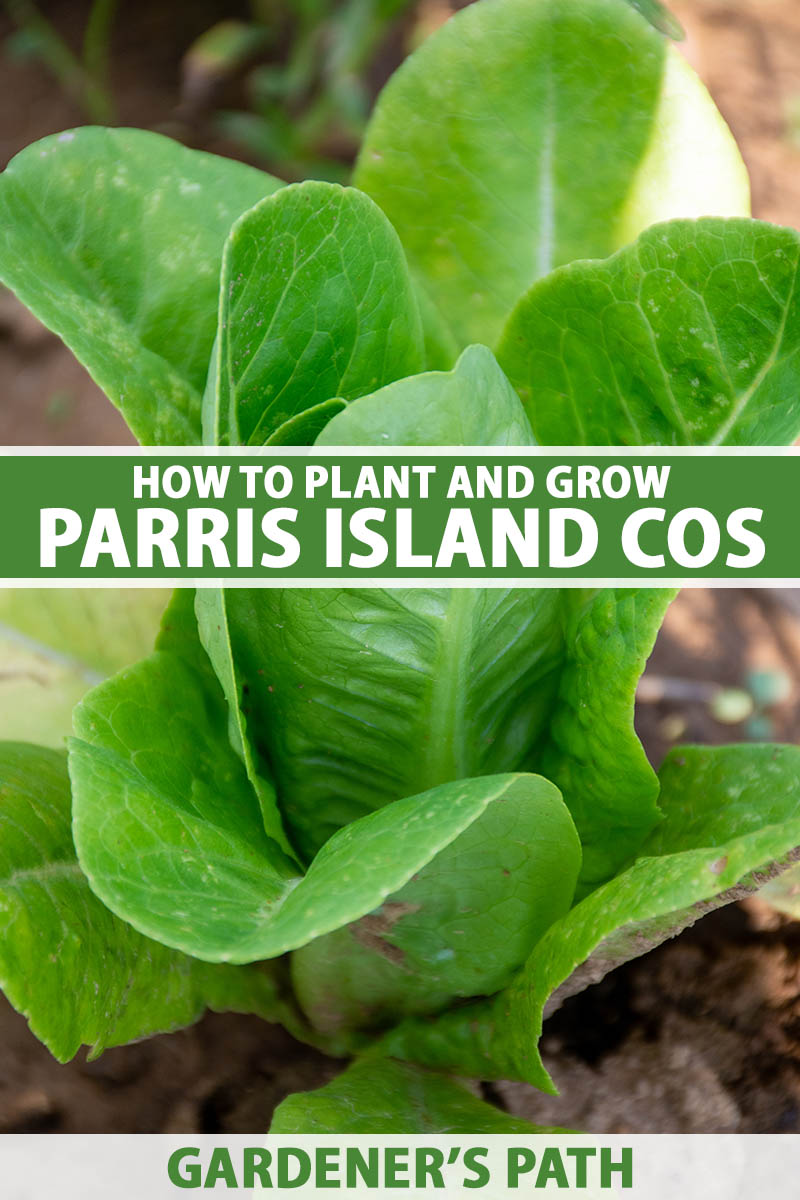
[312, 517]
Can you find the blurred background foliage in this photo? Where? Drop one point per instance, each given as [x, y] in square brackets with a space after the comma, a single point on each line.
[287, 84]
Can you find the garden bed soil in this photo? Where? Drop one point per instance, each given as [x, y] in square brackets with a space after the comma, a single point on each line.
[702, 1035]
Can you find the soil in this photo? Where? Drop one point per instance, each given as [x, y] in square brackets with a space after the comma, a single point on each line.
[225, 1074]
[701, 1035]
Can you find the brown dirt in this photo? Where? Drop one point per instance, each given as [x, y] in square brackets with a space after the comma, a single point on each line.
[748, 54]
[701, 1035]
[225, 1074]
[723, 636]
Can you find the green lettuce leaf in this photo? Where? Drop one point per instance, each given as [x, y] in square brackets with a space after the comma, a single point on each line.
[592, 751]
[170, 832]
[413, 687]
[360, 697]
[316, 303]
[212, 626]
[113, 238]
[80, 975]
[691, 336]
[460, 927]
[472, 405]
[732, 821]
[380, 1096]
[525, 134]
[304, 428]
[167, 826]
